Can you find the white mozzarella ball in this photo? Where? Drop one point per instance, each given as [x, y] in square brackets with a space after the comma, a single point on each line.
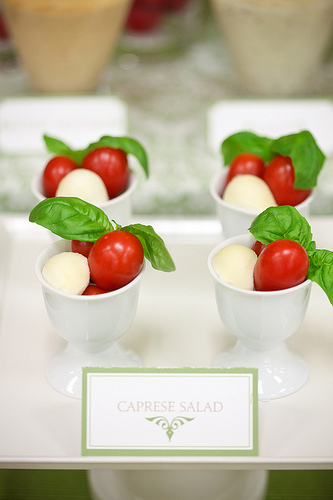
[249, 192]
[68, 272]
[84, 184]
[234, 264]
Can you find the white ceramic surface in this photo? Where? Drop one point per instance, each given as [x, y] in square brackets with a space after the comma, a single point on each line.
[178, 485]
[236, 220]
[39, 427]
[261, 322]
[118, 209]
[90, 324]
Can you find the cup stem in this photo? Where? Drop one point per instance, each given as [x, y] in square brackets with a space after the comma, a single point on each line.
[281, 371]
[64, 370]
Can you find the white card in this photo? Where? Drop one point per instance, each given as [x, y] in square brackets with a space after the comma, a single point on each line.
[76, 120]
[270, 118]
[166, 412]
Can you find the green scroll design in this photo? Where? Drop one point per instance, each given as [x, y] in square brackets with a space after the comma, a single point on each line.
[169, 427]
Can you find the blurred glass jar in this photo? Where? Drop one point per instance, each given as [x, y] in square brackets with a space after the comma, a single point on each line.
[162, 27]
[276, 46]
[65, 45]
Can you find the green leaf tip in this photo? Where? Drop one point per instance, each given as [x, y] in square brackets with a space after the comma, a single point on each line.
[285, 222]
[74, 219]
[306, 156]
[127, 144]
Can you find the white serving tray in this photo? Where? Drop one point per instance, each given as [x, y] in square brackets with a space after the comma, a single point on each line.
[177, 324]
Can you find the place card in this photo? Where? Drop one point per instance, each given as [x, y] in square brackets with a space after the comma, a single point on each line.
[169, 411]
[76, 120]
[230, 116]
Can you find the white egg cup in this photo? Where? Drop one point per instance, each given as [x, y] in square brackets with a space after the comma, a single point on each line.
[262, 322]
[90, 324]
[118, 208]
[235, 220]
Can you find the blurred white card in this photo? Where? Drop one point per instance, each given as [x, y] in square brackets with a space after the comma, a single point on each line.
[77, 120]
[271, 118]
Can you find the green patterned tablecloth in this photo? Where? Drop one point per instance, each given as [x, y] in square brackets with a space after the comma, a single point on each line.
[168, 100]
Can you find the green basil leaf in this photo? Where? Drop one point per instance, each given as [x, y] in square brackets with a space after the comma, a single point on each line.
[305, 155]
[126, 144]
[284, 222]
[246, 142]
[71, 218]
[153, 246]
[321, 270]
[74, 219]
[59, 148]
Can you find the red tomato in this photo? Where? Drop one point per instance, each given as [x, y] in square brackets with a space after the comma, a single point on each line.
[112, 166]
[82, 247]
[115, 259]
[145, 15]
[282, 264]
[3, 29]
[280, 176]
[175, 4]
[258, 247]
[55, 170]
[93, 290]
[246, 163]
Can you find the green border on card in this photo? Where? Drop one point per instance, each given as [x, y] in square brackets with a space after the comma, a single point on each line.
[169, 452]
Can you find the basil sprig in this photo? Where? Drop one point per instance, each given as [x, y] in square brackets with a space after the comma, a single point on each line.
[126, 144]
[153, 246]
[74, 219]
[71, 218]
[285, 222]
[306, 156]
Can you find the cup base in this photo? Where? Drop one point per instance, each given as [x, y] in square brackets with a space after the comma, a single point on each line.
[64, 371]
[281, 371]
[177, 485]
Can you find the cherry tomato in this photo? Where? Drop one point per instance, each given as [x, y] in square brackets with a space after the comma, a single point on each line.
[93, 290]
[145, 15]
[175, 4]
[258, 247]
[115, 259]
[112, 166]
[280, 176]
[3, 29]
[82, 247]
[282, 264]
[246, 163]
[55, 170]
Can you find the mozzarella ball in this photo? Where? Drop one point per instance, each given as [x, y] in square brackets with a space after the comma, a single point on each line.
[234, 264]
[249, 192]
[84, 184]
[68, 272]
